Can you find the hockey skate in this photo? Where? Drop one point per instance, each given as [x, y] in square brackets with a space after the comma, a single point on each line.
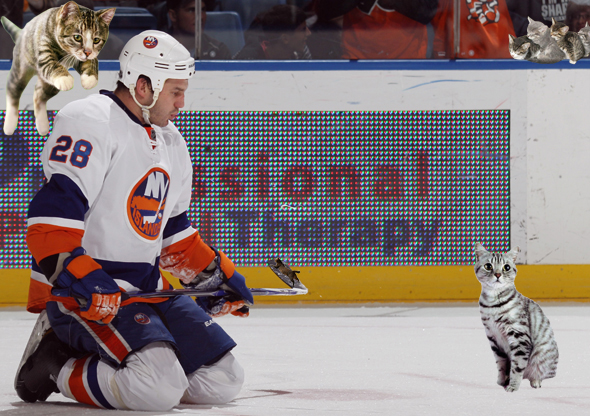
[42, 360]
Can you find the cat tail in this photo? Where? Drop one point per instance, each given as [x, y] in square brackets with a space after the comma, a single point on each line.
[12, 29]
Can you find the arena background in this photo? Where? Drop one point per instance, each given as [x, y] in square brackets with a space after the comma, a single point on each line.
[508, 167]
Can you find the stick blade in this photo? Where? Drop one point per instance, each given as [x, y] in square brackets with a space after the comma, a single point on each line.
[284, 272]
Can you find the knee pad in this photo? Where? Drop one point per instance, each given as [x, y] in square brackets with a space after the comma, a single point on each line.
[152, 379]
[215, 384]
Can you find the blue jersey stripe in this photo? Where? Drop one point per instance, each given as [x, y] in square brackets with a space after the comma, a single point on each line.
[143, 276]
[176, 225]
[92, 378]
[60, 198]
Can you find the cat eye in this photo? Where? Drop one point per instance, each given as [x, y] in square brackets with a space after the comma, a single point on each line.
[78, 38]
[96, 40]
[487, 266]
[506, 267]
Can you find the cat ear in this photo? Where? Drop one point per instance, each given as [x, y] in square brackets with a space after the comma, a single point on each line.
[564, 29]
[69, 9]
[510, 41]
[107, 15]
[553, 20]
[479, 250]
[514, 253]
[530, 20]
[586, 24]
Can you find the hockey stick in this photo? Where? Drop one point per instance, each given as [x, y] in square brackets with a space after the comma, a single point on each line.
[283, 271]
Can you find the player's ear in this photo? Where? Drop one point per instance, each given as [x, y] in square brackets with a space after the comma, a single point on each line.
[143, 87]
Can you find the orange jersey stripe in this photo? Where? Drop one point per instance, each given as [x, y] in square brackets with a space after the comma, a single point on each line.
[76, 382]
[227, 266]
[109, 339]
[45, 240]
[187, 258]
[40, 294]
[82, 265]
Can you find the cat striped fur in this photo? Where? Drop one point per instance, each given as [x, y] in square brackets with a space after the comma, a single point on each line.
[569, 42]
[518, 331]
[55, 40]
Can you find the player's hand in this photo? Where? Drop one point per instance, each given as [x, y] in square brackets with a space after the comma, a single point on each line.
[222, 274]
[84, 279]
[103, 307]
[236, 302]
[217, 306]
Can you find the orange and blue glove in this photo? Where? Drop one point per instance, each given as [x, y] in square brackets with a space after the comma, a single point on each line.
[84, 279]
[215, 277]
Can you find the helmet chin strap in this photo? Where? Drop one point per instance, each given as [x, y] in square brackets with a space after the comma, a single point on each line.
[145, 109]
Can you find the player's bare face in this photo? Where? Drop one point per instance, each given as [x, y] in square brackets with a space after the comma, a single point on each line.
[170, 101]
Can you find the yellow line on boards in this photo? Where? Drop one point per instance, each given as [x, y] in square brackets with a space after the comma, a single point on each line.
[386, 284]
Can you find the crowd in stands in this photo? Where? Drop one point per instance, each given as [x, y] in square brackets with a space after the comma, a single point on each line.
[324, 29]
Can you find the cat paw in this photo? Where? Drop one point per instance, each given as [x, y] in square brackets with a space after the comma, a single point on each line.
[89, 81]
[8, 131]
[511, 389]
[10, 122]
[503, 381]
[64, 83]
[42, 125]
[536, 384]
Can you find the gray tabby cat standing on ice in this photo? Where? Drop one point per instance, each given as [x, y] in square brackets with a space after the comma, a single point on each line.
[55, 40]
[518, 331]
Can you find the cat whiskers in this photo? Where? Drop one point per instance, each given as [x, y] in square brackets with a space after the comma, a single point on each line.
[68, 61]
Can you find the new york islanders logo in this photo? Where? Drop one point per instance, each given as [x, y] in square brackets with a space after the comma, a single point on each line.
[150, 42]
[146, 203]
[142, 318]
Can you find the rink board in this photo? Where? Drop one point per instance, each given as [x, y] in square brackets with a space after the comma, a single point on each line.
[334, 285]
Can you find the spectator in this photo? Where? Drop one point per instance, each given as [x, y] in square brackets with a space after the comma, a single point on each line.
[577, 14]
[13, 10]
[391, 29]
[485, 26]
[182, 17]
[283, 35]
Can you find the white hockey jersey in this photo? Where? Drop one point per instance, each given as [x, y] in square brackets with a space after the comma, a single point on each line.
[114, 190]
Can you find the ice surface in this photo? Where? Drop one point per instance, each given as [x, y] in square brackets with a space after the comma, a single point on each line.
[396, 360]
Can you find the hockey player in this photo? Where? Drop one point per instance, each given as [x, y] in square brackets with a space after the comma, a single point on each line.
[112, 213]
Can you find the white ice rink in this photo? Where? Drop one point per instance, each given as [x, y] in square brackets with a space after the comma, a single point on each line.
[397, 360]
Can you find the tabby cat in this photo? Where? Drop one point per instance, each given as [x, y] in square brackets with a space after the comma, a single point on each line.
[569, 42]
[55, 40]
[539, 33]
[519, 333]
[584, 34]
[522, 48]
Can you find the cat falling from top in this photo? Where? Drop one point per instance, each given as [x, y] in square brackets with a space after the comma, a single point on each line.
[518, 331]
[55, 40]
[569, 42]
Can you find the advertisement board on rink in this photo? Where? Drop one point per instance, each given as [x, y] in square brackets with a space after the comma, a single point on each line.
[321, 188]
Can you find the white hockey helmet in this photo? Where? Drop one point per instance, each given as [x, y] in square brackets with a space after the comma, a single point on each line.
[158, 56]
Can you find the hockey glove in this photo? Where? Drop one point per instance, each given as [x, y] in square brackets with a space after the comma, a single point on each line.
[83, 279]
[215, 277]
[237, 302]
